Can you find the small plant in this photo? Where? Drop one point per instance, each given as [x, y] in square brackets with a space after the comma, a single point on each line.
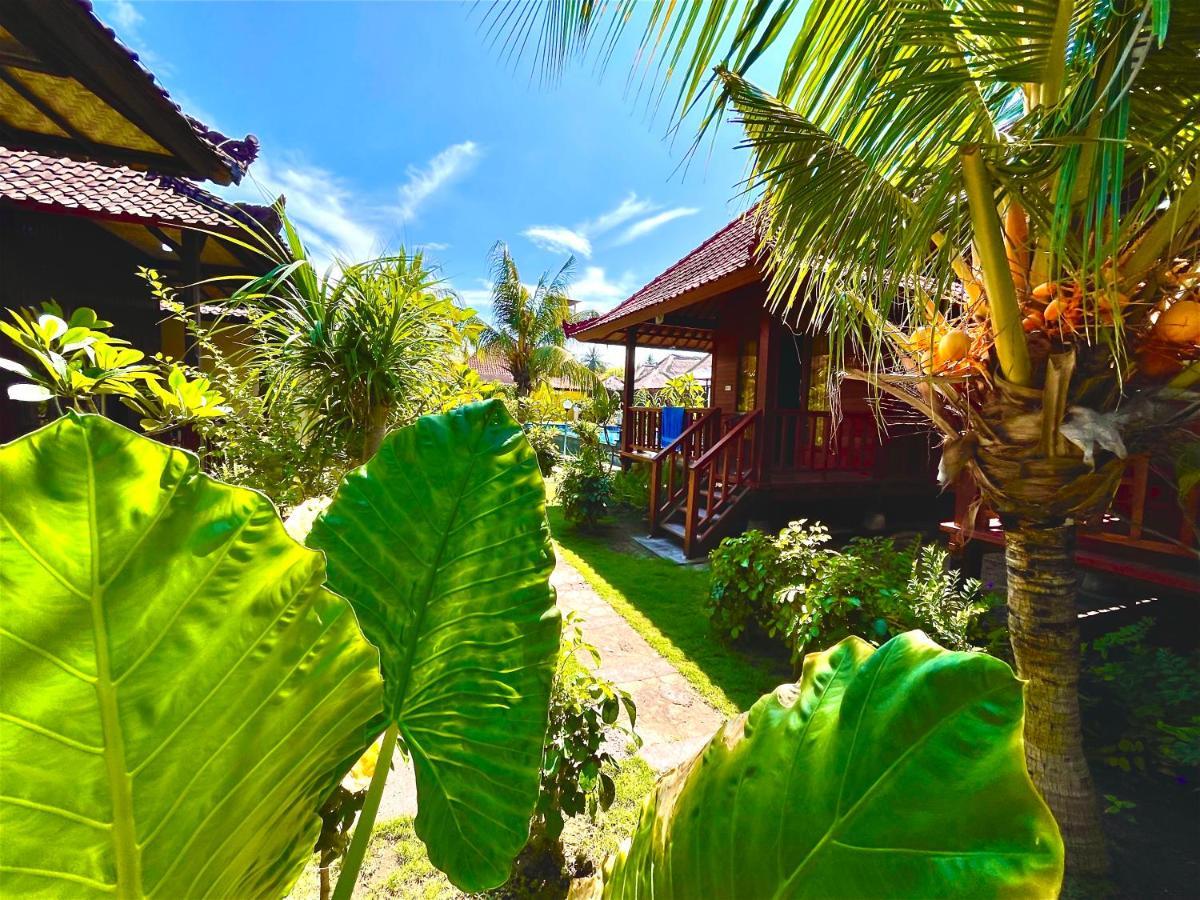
[544, 442]
[631, 487]
[79, 365]
[1145, 703]
[682, 390]
[585, 711]
[586, 487]
[744, 574]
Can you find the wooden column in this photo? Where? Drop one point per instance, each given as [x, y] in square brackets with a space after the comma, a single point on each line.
[192, 247]
[766, 394]
[627, 390]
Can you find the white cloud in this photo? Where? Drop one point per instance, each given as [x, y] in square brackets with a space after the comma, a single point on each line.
[125, 15]
[333, 221]
[628, 208]
[596, 288]
[559, 239]
[431, 246]
[423, 183]
[645, 226]
[579, 239]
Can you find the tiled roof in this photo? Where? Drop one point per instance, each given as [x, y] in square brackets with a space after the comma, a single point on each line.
[114, 192]
[494, 370]
[729, 250]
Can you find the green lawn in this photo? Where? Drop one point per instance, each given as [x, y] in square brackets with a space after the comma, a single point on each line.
[664, 602]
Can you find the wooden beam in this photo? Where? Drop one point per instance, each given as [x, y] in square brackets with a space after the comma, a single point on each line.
[193, 247]
[18, 57]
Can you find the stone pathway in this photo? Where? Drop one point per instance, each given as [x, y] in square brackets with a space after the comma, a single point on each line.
[673, 720]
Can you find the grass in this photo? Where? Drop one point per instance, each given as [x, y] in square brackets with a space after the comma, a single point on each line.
[397, 866]
[664, 603]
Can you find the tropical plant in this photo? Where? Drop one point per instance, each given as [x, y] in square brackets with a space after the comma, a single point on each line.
[808, 794]
[584, 728]
[1019, 187]
[79, 365]
[545, 444]
[743, 576]
[631, 487]
[526, 336]
[1143, 703]
[259, 443]
[796, 589]
[601, 407]
[182, 692]
[682, 390]
[585, 490]
[360, 349]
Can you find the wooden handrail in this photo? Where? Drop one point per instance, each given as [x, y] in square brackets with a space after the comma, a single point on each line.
[737, 467]
[692, 441]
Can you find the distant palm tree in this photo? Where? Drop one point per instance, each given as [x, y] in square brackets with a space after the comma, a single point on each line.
[594, 362]
[526, 336]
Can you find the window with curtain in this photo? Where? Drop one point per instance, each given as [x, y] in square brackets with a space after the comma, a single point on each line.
[747, 380]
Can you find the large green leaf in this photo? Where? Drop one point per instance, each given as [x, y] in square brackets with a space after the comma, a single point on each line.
[440, 542]
[896, 772]
[180, 693]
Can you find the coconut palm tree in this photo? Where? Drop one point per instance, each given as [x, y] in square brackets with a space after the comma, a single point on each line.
[526, 336]
[1018, 262]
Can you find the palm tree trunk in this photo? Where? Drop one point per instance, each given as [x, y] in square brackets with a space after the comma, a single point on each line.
[1044, 631]
[375, 431]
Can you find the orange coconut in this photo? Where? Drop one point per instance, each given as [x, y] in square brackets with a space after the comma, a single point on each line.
[1179, 323]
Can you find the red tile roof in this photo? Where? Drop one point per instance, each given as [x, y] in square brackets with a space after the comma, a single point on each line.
[112, 192]
[729, 250]
[494, 370]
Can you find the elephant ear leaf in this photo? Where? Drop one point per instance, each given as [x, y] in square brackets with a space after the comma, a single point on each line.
[180, 693]
[440, 543]
[896, 772]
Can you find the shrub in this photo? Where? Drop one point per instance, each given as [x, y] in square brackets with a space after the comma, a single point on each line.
[1145, 702]
[631, 487]
[544, 442]
[809, 596]
[871, 589]
[586, 486]
[744, 572]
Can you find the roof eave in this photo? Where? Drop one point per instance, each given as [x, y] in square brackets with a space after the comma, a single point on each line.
[604, 328]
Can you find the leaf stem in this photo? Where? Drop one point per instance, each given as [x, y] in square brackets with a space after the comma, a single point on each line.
[366, 819]
[1003, 305]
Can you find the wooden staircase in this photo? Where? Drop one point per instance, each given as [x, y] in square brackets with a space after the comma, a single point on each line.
[698, 480]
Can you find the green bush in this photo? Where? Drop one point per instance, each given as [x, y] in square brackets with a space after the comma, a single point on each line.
[744, 573]
[631, 487]
[1144, 702]
[544, 442]
[809, 596]
[585, 490]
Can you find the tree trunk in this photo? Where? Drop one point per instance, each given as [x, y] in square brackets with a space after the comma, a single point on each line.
[374, 432]
[1045, 640]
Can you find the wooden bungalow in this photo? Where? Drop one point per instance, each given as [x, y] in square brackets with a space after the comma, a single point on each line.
[772, 445]
[99, 174]
[771, 442]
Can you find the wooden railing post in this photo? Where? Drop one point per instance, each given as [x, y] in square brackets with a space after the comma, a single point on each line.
[655, 477]
[692, 511]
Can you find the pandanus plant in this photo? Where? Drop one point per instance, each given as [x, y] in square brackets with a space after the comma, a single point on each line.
[993, 207]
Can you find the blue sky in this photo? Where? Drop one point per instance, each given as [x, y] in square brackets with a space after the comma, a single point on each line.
[389, 124]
